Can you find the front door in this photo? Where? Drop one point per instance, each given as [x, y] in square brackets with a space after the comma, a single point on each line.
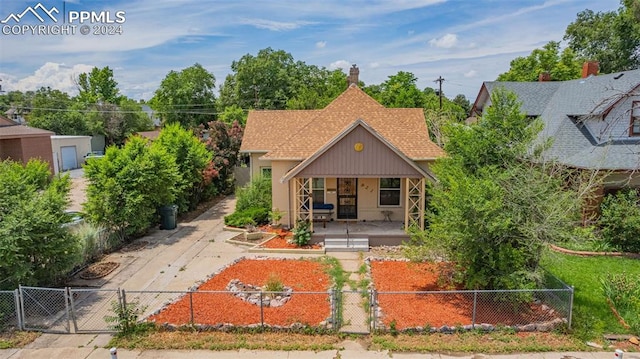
[347, 198]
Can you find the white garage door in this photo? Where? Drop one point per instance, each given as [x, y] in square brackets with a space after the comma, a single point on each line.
[69, 157]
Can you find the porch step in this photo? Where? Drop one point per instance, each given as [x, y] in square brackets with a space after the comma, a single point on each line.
[341, 244]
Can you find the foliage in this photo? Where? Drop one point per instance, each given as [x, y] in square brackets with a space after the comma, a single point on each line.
[186, 97]
[93, 240]
[316, 87]
[274, 284]
[125, 318]
[623, 291]
[249, 216]
[494, 209]
[560, 66]
[126, 186]
[98, 86]
[233, 114]
[223, 140]
[275, 215]
[301, 233]
[55, 111]
[35, 249]
[620, 220]
[192, 159]
[257, 193]
[611, 38]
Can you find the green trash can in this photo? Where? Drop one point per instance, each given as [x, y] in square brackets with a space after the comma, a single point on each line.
[168, 216]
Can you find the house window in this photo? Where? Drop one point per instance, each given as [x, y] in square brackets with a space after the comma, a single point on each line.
[635, 119]
[265, 172]
[389, 194]
[318, 190]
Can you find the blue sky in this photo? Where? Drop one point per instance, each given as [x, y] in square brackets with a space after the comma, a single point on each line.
[465, 42]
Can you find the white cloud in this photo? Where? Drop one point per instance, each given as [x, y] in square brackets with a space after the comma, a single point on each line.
[340, 64]
[472, 73]
[275, 25]
[447, 41]
[374, 65]
[321, 44]
[51, 74]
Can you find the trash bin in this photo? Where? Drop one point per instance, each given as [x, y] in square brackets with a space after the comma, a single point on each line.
[168, 216]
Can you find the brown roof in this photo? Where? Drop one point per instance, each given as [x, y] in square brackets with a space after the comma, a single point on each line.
[299, 134]
[9, 129]
[152, 135]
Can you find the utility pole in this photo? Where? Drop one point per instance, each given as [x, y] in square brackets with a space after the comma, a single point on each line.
[440, 80]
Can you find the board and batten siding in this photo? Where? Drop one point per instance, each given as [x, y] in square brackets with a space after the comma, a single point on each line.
[375, 160]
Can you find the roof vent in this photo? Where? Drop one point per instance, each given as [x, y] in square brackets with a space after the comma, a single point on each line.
[618, 76]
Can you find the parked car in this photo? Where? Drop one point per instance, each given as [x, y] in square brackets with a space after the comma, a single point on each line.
[93, 154]
[73, 218]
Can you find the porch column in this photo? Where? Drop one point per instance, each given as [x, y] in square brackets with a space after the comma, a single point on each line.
[303, 206]
[414, 199]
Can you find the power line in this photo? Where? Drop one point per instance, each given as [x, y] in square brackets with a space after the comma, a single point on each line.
[440, 80]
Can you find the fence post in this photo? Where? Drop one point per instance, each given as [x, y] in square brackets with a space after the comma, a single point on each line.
[570, 306]
[124, 301]
[191, 307]
[475, 305]
[261, 312]
[374, 309]
[16, 296]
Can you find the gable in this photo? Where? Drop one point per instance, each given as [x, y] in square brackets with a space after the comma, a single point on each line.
[375, 158]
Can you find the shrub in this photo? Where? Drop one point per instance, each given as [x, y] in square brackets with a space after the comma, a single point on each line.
[125, 318]
[274, 284]
[250, 216]
[623, 291]
[302, 233]
[255, 194]
[620, 220]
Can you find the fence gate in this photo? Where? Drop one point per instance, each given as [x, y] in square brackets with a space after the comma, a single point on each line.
[90, 307]
[45, 309]
[355, 311]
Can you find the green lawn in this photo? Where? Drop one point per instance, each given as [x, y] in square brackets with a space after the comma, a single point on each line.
[591, 314]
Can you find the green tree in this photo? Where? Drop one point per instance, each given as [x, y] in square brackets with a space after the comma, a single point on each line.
[317, 87]
[186, 97]
[55, 111]
[233, 114]
[223, 141]
[495, 206]
[126, 186]
[560, 66]
[191, 157]
[35, 249]
[620, 220]
[611, 38]
[117, 122]
[98, 86]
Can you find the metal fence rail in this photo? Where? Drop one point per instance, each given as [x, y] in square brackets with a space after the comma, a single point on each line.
[9, 310]
[90, 307]
[44, 309]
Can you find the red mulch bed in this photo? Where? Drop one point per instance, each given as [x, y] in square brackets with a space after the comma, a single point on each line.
[281, 240]
[218, 308]
[436, 310]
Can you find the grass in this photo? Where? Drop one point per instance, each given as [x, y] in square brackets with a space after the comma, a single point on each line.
[17, 339]
[592, 316]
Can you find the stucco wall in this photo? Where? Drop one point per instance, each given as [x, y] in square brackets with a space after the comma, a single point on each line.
[81, 143]
[280, 191]
[257, 164]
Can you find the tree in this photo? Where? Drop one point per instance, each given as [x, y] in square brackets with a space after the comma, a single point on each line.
[560, 66]
[264, 81]
[611, 38]
[223, 140]
[55, 111]
[233, 114]
[399, 91]
[496, 205]
[191, 157]
[117, 123]
[35, 248]
[128, 185]
[317, 87]
[186, 97]
[98, 86]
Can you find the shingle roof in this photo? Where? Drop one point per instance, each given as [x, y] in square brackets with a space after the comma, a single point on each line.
[9, 129]
[577, 117]
[299, 134]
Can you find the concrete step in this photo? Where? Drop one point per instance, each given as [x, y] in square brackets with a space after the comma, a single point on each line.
[341, 244]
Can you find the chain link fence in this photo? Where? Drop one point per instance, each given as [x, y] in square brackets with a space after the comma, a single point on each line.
[9, 310]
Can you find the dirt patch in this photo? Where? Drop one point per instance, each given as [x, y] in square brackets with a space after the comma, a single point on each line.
[98, 270]
[211, 306]
[200, 209]
[135, 246]
[443, 308]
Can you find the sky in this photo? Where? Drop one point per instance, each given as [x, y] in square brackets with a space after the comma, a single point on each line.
[464, 41]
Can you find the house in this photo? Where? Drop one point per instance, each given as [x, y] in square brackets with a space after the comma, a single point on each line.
[21, 143]
[354, 161]
[594, 122]
[69, 151]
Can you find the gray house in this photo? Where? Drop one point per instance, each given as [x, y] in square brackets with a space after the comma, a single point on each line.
[594, 121]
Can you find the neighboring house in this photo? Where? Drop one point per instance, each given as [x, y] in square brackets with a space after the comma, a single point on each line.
[21, 143]
[354, 160]
[17, 115]
[150, 135]
[69, 151]
[593, 122]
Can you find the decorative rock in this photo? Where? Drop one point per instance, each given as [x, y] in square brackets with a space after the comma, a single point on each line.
[253, 294]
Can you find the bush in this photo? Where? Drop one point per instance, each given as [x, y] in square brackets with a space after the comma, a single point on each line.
[302, 233]
[620, 220]
[255, 194]
[251, 216]
[623, 291]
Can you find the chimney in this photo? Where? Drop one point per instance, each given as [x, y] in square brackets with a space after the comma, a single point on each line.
[544, 76]
[590, 68]
[353, 75]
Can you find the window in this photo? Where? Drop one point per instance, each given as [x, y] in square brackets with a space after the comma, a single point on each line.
[318, 190]
[634, 129]
[389, 192]
[265, 172]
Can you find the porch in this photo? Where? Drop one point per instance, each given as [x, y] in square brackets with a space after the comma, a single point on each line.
[358, 235]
